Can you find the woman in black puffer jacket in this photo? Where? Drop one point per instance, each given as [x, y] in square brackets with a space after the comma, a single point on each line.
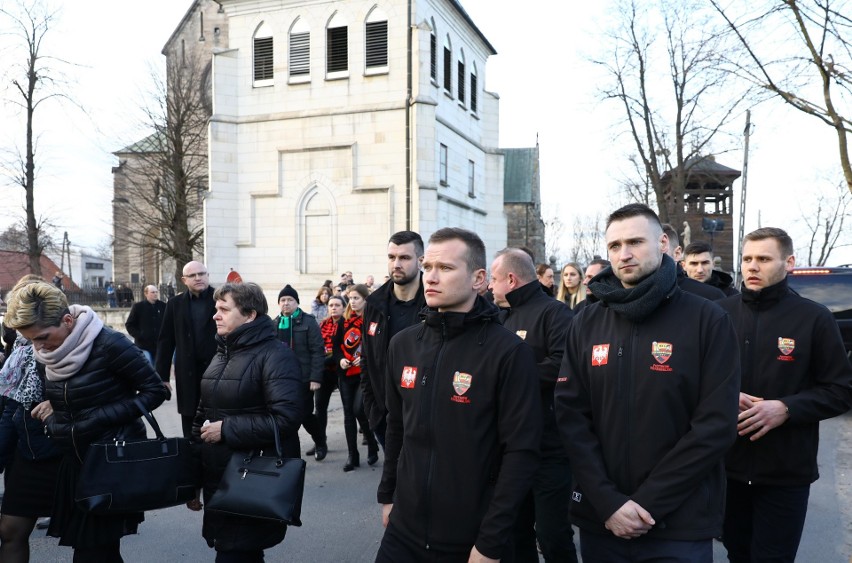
[93, 374]
[251, 376]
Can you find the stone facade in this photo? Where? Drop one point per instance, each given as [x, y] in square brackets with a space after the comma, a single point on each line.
[522, 200]
[311, 173]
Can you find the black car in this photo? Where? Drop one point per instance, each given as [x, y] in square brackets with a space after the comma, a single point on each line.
[833, 288]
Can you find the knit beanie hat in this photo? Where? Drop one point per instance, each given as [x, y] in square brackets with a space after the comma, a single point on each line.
[289, 291]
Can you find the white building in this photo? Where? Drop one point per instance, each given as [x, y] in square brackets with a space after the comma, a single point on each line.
[338, 123]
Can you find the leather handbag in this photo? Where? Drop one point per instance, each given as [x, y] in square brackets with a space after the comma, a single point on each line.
[134, 476]
[259, 486]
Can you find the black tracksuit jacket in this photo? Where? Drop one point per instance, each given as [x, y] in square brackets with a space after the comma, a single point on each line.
[647, 411]
[791, 351]
[463, 433]
[542, 322]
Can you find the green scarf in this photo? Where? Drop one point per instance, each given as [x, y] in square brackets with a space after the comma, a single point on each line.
[284, 323]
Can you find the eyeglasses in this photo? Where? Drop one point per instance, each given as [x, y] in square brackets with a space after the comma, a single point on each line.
[195, 275]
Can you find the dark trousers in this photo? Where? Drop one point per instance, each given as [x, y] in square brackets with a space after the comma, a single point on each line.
[380, 430]
[353, 409]
[396, 549]
[186, 424]
[764, 523]
[600, 548]
[322, 396]
[106, 553]
[310, 421]
[544, 514]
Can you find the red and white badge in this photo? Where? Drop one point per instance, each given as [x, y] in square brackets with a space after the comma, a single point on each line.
[372, 330]
[409, 377]
[786, 345]
[600, 354]
[661, 351]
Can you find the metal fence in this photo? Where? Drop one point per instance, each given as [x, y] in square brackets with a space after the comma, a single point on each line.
[124, 296]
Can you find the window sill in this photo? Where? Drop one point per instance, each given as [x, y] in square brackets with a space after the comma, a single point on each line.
[263, 83]
[338, 75]
[444, 183]
[448, 94]
[376, 70]
[434, 82]
[300, 79]
[462, 106]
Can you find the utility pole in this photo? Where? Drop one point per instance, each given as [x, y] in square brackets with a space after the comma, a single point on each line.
[741, 234]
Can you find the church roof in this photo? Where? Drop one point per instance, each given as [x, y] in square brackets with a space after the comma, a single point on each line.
[520, 175]
[706, 166]
[152, 143]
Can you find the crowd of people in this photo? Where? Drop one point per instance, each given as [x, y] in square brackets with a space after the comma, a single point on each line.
[642, 399]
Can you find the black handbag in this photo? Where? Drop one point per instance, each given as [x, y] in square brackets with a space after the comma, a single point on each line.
[260, 486]
[134, 476]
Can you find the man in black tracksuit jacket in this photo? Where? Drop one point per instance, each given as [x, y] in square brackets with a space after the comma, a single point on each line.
[794, 373]
[542, 322]
[392, 307]
[646, 401]
[464, 419]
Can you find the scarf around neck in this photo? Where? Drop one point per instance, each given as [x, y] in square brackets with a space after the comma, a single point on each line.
[637, 302]
[284, 322]
[70, 356]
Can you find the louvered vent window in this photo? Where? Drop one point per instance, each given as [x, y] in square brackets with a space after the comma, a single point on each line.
[377, 44]
[473, 93]
[300, 54]
[263, 58]
[433, 54]
[462, 77]
[448, 70]
[337, 59]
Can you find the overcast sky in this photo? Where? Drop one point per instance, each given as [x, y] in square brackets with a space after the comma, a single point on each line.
[546, 86]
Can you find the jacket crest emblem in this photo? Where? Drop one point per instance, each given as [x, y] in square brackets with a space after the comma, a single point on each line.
[600, 354]
[372, 330]
[522, 334]
[786, 345]
[661, 351]
[461, 382]
[409, 377]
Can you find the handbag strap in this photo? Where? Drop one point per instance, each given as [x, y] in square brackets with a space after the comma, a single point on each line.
[277, 437]
[150, 418]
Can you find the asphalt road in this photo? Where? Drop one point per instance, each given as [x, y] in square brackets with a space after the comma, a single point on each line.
[342, 519]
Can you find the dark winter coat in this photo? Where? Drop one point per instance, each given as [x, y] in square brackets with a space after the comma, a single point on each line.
[97, 403]
[177, 338]
[251, 376]
[19, 428]
[722, 281]
[463, 431]
[647, 411]
[305, 340]
[542, 322]
[374, 352]
[791, 350]
[144, 322]
[698, 288]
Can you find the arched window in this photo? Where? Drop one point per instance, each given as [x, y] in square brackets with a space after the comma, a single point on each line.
[337, 47]
[433, 53]
[448, 66]
[462, 76]
[317, 221]
[263, 56]
[473, 88]
[300, 49]
[376, 44]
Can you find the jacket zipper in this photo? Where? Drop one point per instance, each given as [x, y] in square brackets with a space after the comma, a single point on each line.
[431, 430]
[624, 375]
[71, 414]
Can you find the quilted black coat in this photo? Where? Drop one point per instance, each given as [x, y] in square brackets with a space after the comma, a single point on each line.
[251, 376]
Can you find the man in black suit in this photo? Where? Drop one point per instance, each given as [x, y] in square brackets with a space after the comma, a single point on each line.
[189, 334]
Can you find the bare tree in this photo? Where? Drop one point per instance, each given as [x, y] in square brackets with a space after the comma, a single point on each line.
[554, 230]
[588, 239]
[15, 238]
[35, 79]
[664, 61]
[163, 178]
[824, 221]
[794, 45]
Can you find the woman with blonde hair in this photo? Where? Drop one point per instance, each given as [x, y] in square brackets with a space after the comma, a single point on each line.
[347, 357]
[571, 288]
[93, 374]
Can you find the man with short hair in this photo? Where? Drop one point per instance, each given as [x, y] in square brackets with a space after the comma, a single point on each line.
[300, 332]
[391, 308]
[370, 281]
[144, 321]
[595, 267]
[188, 334]
[795, 373]
[464, 419]
[646, 401]
[698, 263]
[685, 282]
[542, 322]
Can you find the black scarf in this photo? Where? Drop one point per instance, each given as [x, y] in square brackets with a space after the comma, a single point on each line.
[637, 302]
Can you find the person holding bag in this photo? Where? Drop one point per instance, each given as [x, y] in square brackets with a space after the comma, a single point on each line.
[252, 376]
[93, 376]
